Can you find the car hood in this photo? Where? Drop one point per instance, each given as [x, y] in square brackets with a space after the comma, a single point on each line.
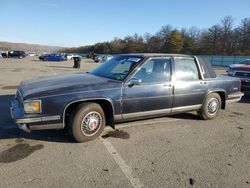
[240, 67]
[65, 84]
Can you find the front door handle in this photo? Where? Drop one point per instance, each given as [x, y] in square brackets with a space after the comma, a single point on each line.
[168, 85]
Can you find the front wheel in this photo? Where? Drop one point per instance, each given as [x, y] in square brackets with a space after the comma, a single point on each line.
[210, 107]
[88, 122]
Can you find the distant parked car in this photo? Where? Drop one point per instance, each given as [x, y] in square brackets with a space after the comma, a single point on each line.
[97, 58]
[51, 57]
[71, 56]
[4, 54]
[32, 54]
[17, 54]
[242, 71]
[102, 58]
[106, 58]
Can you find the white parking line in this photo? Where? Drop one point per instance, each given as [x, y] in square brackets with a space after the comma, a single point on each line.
[136, 183]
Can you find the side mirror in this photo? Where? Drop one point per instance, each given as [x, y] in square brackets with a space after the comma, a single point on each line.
[134, 81]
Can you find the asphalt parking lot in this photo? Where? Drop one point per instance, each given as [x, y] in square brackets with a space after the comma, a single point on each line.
[174, 151]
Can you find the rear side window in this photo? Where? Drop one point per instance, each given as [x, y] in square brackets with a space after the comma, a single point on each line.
[186, 69]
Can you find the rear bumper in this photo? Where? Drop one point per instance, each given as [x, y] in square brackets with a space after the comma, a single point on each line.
[235, 97]
[23, 122]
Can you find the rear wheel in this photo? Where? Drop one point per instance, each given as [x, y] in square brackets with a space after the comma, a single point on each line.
[88, 122]
[210, 107]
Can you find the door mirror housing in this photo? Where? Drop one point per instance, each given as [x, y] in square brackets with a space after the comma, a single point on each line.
[134, 81]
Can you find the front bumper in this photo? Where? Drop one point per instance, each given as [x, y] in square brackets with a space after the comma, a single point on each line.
[23, 122]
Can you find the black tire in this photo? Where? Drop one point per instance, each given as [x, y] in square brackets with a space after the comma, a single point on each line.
[88, 122]
[210, 107]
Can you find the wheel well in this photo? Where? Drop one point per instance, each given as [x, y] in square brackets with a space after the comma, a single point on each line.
[105, 105]
[223, 99]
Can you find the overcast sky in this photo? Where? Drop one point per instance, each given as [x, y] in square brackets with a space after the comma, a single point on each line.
[82, 22]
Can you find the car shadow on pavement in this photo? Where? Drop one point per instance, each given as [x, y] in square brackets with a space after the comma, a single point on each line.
[9, 130]
[186, 116]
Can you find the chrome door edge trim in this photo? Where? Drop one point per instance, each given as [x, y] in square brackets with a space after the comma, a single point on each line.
[46, 127]
[186, 108]
[147, 113]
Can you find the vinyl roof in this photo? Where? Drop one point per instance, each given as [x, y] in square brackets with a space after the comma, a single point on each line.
[157, 55]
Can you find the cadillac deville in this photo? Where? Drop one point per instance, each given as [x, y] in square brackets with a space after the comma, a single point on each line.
[127, 87]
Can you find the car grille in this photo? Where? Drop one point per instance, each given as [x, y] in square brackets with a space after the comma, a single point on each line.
[243, 74]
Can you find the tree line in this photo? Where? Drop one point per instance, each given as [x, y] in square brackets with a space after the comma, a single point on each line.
[220, 39]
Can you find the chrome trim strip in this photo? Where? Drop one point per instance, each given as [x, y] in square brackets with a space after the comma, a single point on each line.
[201, 70]
[161, 112]
[20, 95]
[117, 117]
[184, 94]
[28, 120]
[38, 119]
[46, 127]
[155, 97]
[147, 113]
[234, 97]
[51, 118]
[186, 108]
[86, 100]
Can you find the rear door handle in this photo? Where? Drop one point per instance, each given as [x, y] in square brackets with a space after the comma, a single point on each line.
[203, 82]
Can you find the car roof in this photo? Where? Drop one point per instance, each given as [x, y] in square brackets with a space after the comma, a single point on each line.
[157, 55]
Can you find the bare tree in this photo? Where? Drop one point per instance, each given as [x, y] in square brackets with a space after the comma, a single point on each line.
[244, 35]
[226, 37]
[214, 38]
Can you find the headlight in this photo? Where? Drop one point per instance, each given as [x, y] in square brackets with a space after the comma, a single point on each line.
[33, 106]
[230, 71]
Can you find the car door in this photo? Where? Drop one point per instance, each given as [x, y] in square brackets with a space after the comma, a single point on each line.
[153, 95]
[189, 87]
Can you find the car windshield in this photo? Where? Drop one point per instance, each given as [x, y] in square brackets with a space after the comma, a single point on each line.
[117, 68]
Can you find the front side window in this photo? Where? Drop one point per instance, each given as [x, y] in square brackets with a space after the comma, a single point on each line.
[155, 71]
[186, 69]
[117, 68]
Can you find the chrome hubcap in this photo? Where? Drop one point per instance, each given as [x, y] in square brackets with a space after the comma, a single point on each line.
[213, 105]
[91, 123]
